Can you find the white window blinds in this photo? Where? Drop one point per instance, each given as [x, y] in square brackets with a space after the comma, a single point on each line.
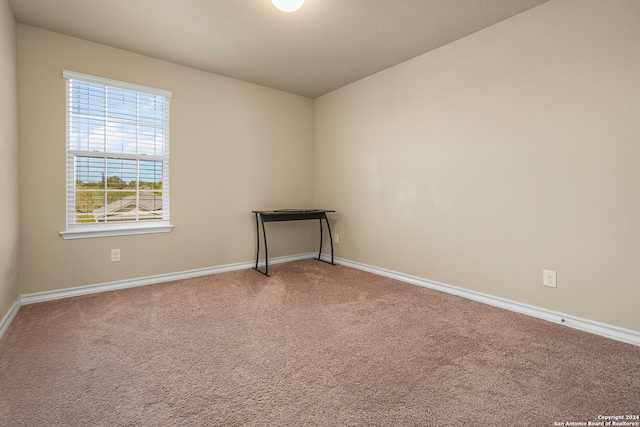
[117, 154]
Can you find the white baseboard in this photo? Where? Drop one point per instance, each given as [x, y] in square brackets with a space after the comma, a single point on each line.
[609, 331]
[149, 280]
[602, 329]
[8, 318]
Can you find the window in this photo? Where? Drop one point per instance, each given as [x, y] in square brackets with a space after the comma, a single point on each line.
[117, 158]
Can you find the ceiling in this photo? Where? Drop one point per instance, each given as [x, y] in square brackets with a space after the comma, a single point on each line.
[323, 46]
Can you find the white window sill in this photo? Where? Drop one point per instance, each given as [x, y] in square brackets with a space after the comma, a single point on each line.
[91, 231]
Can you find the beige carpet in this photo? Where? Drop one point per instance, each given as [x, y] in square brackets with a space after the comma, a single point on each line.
[313, 345]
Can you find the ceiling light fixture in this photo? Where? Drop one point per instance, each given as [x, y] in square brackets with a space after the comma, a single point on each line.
[288, 5]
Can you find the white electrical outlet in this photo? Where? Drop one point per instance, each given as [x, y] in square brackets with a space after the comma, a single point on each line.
[549, 278]
[336, 238]
[115, 255]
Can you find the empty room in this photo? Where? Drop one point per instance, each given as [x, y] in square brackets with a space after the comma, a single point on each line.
[320, 212]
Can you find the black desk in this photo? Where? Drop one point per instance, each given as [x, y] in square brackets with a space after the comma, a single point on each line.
[289, 215]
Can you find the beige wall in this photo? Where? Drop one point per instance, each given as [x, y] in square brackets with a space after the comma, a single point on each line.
[510, 151]
[9, 217]
[235, 147]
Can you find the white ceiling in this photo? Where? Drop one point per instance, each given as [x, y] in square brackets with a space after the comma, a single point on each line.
[323, 46]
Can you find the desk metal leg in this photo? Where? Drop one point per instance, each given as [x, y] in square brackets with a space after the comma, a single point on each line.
[266, 253]
[320, 250]
[330, 239]
[257, 242]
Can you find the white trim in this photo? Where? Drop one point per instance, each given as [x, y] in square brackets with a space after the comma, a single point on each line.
[608, 331]
[149, 280]
[77, 231]
[111, 82]
[8, 318]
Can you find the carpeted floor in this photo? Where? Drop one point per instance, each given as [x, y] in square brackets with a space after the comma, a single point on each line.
[313, 345]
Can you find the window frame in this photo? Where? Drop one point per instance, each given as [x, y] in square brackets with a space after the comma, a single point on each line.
[75, 230]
